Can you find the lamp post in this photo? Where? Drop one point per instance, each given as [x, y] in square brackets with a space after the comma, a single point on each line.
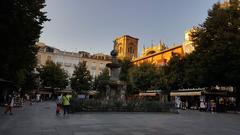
[36, 76]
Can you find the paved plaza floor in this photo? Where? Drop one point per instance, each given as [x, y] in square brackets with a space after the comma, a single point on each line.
[40, 119]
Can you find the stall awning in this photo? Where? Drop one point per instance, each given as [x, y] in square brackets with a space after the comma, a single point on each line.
[93, 92]
[186, 93]
[64, 91]
[147, 94]
[44, 92]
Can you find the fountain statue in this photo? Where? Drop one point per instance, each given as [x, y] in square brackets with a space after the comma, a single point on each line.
[116, 89]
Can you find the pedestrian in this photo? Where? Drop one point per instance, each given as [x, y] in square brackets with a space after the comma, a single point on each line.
[9, 105]
[66, 103]
[213, 106]
[202, 106]
[183, 106]
[58, 102]
[208, 106]
[186, 104]
[38, 97]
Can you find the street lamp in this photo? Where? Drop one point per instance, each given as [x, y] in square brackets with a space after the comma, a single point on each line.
[36, 76]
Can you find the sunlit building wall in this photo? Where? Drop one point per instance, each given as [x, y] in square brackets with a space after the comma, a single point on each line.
[68, 60]
[126, 46]
[158, 54]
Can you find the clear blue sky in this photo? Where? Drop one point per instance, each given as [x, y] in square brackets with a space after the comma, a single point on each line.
[92, 25]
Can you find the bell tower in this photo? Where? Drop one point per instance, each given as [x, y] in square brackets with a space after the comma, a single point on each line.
[126, 46]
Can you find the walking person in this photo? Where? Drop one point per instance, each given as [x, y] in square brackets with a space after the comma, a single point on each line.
[66, 104]
[213, 106]
[202, 106]
[59, 103]
[9, 105]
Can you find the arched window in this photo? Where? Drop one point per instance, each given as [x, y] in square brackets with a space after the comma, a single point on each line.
[120, 49]
[130, 49]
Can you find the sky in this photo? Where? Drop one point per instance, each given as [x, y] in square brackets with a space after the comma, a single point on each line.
[92, 25]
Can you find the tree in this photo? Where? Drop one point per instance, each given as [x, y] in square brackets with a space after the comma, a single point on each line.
[101, 81]
[143, 77]
[21, 23]
[81, 78]
[173, 73]
[52, 75]
[31, 82]
[192, 76]
[126, 64]
[217, 41]
[218, 44]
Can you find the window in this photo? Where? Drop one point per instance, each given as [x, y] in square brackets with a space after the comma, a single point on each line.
[48, 49]
[94, 74]
[93, 67]
[67, 64]
[49, 58]
[60, 63]
[101, 66]
[130, 49]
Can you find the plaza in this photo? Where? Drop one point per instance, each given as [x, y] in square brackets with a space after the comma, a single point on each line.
[40, 119]
[120, 67]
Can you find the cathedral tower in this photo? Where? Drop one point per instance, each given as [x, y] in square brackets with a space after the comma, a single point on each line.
[126, 46]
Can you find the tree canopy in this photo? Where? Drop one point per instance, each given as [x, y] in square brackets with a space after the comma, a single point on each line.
[126, 64]
[217, 56]
[52, 75]
[21, 22]
[81, 78]
[143, 77]
[101, 81]
[218, 48]
[173, 73]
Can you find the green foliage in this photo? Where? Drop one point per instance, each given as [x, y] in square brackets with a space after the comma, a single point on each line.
[143, 77]
[126, 64]
[52, 75]
[31, 82]
[21, 23]
[217, 55]
[21, 77]
[173, 73]
[218, 48]
[81, 78]
[101, 81]
[193, 74]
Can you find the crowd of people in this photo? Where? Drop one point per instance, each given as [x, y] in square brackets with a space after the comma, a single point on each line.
[62, 102]
[211, 105]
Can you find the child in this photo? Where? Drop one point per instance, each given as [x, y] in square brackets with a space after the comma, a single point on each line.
[58, 109]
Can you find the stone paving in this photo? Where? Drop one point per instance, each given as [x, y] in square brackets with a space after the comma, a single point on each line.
[40, 119]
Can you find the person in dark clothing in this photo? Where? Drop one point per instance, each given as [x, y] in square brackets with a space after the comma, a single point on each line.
[9, 105]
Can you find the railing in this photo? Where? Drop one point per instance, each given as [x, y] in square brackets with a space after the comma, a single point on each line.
[118, 106]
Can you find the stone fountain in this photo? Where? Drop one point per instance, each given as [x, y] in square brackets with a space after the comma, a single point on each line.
[116, 89]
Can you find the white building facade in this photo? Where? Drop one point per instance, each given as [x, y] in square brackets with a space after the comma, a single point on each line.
[95, 63]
